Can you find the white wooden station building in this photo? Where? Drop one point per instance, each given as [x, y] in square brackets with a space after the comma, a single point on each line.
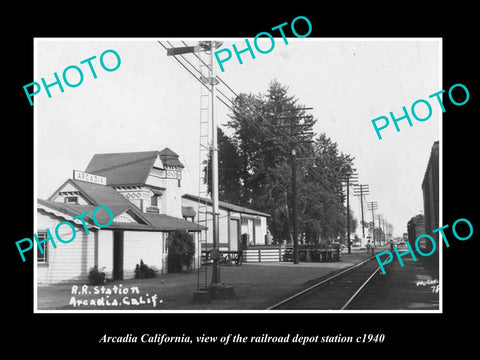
[144, 192]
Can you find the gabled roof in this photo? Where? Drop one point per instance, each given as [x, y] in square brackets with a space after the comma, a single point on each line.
[72, 210]
[170, 158]
[96, 194]
[66, 211]
[170, 223]
[130, 168]
[225, 205]
[148, 221]
[123, 168]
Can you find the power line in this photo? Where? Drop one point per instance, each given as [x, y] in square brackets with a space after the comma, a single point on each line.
[199, 72]
[364, 190]
[351, 178]
[373, 205]
[198, 79]
[249, 105]
[294, 145]
[292, 139]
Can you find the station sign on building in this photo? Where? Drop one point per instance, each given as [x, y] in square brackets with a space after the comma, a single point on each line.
[144, 192]
[95, 179]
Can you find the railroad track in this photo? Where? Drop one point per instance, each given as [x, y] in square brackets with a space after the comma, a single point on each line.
[335, 292]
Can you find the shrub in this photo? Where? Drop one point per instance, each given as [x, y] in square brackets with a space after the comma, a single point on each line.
[181, 250]
[143, 271]
[96, 277]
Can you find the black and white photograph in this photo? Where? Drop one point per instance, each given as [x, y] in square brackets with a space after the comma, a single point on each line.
[277, 188]
[291, 206]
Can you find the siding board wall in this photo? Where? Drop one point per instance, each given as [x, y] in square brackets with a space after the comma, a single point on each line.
[68, 262]
[141, 245]
[225, 242]
[105, 252]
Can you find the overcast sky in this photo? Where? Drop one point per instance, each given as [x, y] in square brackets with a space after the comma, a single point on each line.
[150, 102]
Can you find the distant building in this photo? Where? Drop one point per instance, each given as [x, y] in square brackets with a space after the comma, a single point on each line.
[430, 189]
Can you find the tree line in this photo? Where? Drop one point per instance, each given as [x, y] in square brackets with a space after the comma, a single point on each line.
[255, 167]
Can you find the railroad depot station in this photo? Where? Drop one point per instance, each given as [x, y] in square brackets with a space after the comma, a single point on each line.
[144, 192]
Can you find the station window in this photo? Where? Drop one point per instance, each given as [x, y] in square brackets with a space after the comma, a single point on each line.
[154, 200]
[42, 258]
[71, 200]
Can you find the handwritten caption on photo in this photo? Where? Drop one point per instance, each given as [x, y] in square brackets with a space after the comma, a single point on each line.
[434, 284]
[115, 296]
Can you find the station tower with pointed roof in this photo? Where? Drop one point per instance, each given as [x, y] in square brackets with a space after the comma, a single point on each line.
[151, 180]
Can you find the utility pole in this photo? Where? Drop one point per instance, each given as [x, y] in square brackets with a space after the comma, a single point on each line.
[379, 217]
[297, 136]
[384, 231]
[296, 257]
[361, 190]
[350, 178]
[373, 205]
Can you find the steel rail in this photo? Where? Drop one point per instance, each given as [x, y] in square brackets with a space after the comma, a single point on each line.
[343, 272]
[359, 289]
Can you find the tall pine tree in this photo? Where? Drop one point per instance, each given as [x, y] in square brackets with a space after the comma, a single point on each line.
[229, 186]
[255, 166]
